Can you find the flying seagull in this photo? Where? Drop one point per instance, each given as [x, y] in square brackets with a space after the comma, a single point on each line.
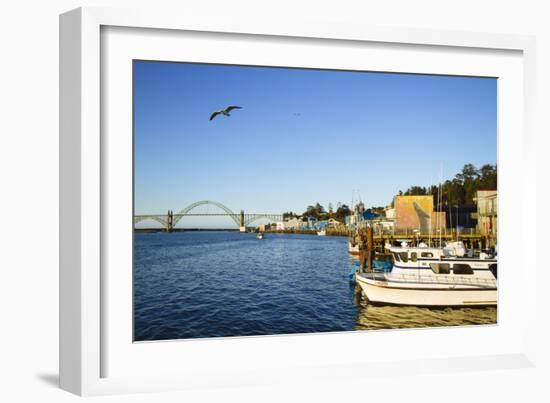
[224, 112]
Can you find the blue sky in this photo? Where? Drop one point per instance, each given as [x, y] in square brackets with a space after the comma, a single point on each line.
[303, 136]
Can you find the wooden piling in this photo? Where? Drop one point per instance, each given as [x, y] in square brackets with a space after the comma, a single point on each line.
[367, 249]
[361, 245]
[362, 260]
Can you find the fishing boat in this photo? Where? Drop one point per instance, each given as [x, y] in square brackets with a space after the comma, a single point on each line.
[353, 249]
[322, 232]
[260, 236]
[428, 276]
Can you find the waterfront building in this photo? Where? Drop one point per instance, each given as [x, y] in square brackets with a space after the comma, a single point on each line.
[461, 216]
[389, 211]
[322, 224]
[416, 212]
[487, 206]
[295, 223]
[311, 222]
[361, 216]
[383, 226]
[333, 223]
[265, 227]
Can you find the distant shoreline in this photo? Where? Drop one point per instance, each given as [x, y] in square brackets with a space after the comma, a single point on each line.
[184, 229]
[301, 232]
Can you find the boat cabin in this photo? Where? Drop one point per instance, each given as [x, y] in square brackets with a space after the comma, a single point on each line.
[439, 262]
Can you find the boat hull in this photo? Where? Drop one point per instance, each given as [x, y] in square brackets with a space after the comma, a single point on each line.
[384, 292]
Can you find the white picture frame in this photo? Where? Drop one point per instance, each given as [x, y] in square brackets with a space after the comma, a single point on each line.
[88, 335]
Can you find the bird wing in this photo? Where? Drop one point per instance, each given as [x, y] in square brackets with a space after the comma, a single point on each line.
[231, 107]
[214, 114]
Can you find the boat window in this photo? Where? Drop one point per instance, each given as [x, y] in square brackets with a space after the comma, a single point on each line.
[493, 269]
[413, 256]
[441, 268]
[396, 257]
[460, 268]
[426, 254]
[404, 257]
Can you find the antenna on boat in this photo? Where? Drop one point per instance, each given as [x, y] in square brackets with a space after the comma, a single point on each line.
[431, 218]
[439, 200]
[450, 219]
[457, 222]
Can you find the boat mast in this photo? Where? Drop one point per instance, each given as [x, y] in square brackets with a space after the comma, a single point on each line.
[457, 222]
[439, 200]
[451, 219]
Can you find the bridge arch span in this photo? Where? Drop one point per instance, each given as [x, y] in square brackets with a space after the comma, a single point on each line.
[235, 217]
[270, 217]
[158, 219]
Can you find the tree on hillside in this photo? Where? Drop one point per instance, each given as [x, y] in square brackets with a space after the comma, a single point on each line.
[317, 211]
[462, 188]
[488, 177]
[342, 212]
[287, 215]
[468, 174]
[415, 191]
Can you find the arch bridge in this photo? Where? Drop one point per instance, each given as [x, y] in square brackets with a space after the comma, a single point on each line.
[170, 219]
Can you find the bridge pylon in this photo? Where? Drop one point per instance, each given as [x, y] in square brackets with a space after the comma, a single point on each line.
[170, 221]
[242, 227]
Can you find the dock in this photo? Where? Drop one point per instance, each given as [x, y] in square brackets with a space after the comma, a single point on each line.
[471, 238]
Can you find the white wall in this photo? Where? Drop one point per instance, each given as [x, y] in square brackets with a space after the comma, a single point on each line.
[28, 172]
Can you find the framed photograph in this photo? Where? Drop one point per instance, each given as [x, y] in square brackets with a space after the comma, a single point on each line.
[238, 196]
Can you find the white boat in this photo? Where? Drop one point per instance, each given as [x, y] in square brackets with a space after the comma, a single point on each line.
[260, 236]
[353, 249]
[322, 232]
[426, 276]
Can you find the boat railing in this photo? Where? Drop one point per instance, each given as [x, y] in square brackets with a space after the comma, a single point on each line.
[447, 232]
[431, 279]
